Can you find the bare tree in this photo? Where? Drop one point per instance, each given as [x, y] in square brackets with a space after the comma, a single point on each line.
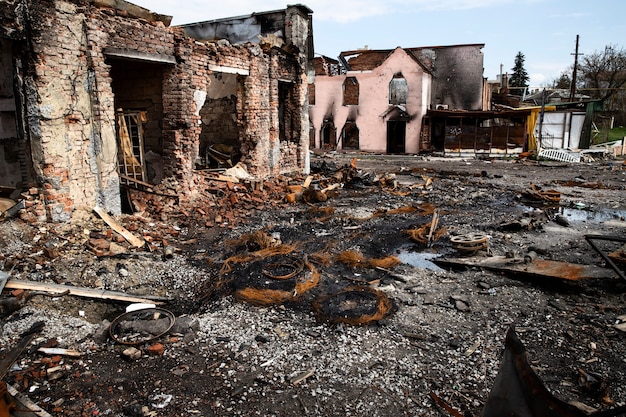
[603, 73]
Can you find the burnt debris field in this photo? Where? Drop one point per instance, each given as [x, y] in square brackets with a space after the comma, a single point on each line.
[378, 286]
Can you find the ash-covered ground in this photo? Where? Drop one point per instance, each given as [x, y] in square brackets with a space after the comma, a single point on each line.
[444, 331]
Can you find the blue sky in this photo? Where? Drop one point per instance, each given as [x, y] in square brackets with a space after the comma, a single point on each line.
[543, 30]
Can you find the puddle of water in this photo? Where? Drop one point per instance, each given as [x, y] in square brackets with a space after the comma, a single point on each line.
[419, 259]
[599, 215]
[593, 216]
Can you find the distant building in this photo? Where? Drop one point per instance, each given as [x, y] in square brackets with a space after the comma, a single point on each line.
[376, 100]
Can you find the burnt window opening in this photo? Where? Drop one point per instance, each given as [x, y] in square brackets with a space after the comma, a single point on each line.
[311, 94]
[219, 144]
[350, 135]
[398, 90]
[328, 135]
[288, 116]
[350, 91]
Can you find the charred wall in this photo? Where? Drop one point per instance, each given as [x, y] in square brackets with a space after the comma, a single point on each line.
[457, 75]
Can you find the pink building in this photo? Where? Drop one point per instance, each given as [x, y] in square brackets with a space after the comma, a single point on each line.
[376, 100]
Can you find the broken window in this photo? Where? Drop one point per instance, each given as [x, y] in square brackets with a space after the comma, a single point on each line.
[350, 135]
[350, 91]
[398, 90]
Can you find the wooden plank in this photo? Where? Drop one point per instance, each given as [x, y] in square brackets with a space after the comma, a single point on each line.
[536, 268]
[132, 239]
[225, 178]
[136, 181]
[13, 354]
[215, 176]
[25, 407]
[81, 292]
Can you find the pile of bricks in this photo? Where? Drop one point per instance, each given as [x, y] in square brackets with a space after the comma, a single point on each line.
[219, 203]
[34, 207]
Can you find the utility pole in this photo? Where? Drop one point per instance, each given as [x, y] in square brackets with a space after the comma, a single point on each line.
[572, 93]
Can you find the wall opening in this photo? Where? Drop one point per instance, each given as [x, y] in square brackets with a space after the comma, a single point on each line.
[220, 144]
[398, 90]
[396, 136]
[328, 135]
[311, 135]
[311, 92]
[138, 90]
[350, 135]
[288, 115]
[350, 91]
[15, 158]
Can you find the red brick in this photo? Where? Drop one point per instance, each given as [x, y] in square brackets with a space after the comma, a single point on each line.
[156, 349]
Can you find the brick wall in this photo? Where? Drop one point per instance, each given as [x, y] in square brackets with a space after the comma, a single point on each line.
[71, 102]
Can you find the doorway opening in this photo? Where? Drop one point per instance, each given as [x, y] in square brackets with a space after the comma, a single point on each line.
[396, 136]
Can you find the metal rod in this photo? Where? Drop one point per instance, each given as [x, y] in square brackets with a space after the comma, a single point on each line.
[590, 238]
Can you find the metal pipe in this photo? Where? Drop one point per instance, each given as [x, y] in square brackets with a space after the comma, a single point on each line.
[590, 238]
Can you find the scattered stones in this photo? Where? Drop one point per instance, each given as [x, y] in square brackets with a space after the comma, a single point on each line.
[461, 305]
[132, 353]
[248, 357]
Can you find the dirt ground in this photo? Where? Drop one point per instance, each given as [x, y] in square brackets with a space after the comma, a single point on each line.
[444, 331]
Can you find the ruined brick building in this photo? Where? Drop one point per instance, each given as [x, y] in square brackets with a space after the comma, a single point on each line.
[378, 100]
[95, 93]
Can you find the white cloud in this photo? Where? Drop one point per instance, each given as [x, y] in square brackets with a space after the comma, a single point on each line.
[186, 11]
[353, 10]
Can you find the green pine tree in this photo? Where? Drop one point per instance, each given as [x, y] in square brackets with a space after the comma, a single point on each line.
[520, 77]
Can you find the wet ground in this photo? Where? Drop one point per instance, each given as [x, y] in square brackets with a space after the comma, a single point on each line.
[444, 332]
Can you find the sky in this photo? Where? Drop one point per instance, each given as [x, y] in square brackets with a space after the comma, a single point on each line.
[544, 31]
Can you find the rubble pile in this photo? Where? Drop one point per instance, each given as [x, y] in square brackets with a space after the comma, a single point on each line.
[255, 303]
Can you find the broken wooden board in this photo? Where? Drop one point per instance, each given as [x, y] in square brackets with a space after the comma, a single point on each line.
[537, 268]
[136, 181]
[132, 239]
[12, 355]
[225, 178]
[82, 292]
[24, 406]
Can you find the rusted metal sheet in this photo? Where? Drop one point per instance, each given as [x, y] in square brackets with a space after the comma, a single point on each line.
[537, 268]
[518, 391]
